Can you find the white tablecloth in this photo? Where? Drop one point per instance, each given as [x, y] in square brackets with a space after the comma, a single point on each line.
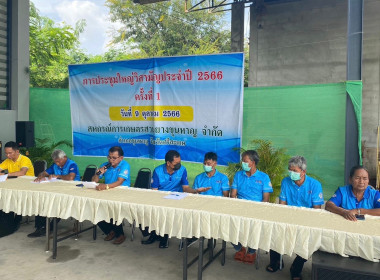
[259, 225]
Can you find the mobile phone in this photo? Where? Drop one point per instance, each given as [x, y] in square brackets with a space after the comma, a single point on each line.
[360, 217]
[80, 185]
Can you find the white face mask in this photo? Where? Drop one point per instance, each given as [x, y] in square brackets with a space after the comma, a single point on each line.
[245, 166]
[207, 168]
[295, 176]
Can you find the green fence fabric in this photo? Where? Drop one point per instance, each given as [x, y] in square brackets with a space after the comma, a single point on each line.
[354, 90]
[307, 120]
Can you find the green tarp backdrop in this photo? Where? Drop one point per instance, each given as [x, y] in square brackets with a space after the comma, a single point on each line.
[307, 120]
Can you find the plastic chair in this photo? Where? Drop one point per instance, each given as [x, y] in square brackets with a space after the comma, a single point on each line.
[39, 167]
[143, 181]
[89, 172]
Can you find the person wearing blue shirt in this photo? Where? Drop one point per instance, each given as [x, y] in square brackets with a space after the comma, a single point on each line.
[297, 190]
[116, 172]
[63, 168]
[218, 182]
[170, 176]
[355, 199]
[250, 184]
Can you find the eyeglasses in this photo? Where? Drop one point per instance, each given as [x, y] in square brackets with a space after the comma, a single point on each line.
[113, 158]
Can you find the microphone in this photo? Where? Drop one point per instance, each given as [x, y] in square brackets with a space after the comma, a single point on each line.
[108, 165]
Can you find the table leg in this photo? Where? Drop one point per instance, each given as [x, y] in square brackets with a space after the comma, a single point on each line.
[224, 245]
[210, 245]
[47, 245]
[185, 266]
[200, 257]
[55, 238]
[94, 232]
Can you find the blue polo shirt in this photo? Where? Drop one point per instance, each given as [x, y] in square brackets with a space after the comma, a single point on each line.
[122, 170]
[306, 195]
[253, 187]
[345, 198]
[163, 181]
[218, 183]
[69, 167]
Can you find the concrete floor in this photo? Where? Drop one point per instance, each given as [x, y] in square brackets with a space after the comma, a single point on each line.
[25, 258]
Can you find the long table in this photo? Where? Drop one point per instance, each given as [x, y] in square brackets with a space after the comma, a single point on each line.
[266, 226]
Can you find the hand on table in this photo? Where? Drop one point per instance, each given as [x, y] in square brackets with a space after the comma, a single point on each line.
[350, 214]
[203, 189]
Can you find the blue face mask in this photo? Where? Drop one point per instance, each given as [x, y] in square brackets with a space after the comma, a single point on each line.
[245, 166]
[295, 176]
[207, 168]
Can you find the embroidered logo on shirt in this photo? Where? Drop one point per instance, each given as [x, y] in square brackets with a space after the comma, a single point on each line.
[126, 172]
[334, 195]
[320, 195]
[270, 184]
[310, 192]
[72, 168]
[218, 182]
[258, 182]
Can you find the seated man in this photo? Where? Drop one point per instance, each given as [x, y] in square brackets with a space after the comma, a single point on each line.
[218, 182]
[356, 199]
[116, 172]
[297, 190]
[63, 168]
[16, 164]
[251, 184]
[170, 176]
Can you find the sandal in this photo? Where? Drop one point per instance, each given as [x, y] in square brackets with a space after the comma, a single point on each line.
[274, 267]
[239, 256]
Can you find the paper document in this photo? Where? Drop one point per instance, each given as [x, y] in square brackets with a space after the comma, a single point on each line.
[47, 180]
[89, 185]
[3, 178]
[175, 196]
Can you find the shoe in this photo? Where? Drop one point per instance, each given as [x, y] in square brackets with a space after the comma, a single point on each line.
[239, 256]
[274, 267]
[152, 238]
[119, 240]
[250, 258]
[110, 236]
[164, 243]
[293, 275]
[38, 233]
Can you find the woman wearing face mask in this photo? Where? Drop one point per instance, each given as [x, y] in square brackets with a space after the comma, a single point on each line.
[357, 198]
[297, 190]
[250, 184]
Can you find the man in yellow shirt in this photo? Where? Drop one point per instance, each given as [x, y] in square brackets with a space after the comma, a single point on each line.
[16, 164]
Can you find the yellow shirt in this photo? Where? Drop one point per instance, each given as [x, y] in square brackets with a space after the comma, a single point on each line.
[21, 162]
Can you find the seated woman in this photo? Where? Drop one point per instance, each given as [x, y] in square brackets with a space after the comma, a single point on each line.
[355, 199]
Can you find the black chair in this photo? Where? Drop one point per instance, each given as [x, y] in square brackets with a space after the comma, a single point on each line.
[143, 181]
[89, 172]
[39, 167]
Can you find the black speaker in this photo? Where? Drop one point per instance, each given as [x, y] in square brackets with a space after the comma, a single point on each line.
[25, 134]
[326, 266]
